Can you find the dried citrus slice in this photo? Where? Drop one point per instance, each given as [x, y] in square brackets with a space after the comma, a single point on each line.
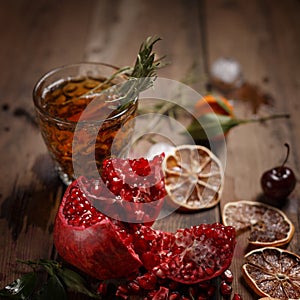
[273, 272]
[268, 225]
[193, 177]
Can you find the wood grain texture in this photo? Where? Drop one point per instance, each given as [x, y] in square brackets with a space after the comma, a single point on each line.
[38, 35]
[261, 37]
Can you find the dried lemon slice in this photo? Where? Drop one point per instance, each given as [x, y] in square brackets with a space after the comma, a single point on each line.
[273, 273]
[268, 225]
[193, 177]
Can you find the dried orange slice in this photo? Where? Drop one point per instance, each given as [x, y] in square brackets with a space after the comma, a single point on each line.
[268, 225]
[273, 272]
[193, 177]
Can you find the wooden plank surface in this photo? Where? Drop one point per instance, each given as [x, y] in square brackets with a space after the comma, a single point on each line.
[253, 33]
[263, 36]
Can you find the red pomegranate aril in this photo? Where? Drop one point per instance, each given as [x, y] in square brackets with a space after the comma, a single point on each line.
[134, 288]
[122, 292]
[147, 281]
[227, 276]
[225, 289]
[141, 167]
[237, 297]
[174, 296]
[161, 294]
[102, 288]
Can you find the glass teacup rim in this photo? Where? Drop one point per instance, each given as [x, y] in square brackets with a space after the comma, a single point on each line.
[38, 88]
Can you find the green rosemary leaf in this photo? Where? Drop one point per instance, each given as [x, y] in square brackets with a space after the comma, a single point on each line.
[21, 288]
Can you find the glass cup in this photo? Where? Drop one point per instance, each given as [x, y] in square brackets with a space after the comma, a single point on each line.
[79, 111]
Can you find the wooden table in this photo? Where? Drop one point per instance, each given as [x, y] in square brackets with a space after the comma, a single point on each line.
[37, 35]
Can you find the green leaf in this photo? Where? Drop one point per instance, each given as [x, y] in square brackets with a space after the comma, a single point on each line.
[21, 288]
[52, 290]
[75, 282]
[211, 125]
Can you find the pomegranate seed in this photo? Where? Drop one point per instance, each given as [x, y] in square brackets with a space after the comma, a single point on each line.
[134, 287]
[161, 294]
[237, 297]
[122, 292]
[102, 288]
[174, 296]
[147, 281]
[225, 289]
[227, 276]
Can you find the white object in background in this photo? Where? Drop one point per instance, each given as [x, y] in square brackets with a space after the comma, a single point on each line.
[159, 148]
[228, 71]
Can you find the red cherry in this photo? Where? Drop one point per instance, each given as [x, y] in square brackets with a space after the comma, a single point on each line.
[279, 182]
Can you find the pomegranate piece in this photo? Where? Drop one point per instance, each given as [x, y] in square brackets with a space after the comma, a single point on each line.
[225, 289]
[161, 294]
[89, 240]
[227, 276]
[190, 255]
[138, 186]
[237, 297]
[146, 285]
[105, 248]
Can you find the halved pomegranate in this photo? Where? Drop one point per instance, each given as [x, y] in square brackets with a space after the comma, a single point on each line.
[90, 232]
[106, 248]
[188, 256]
[91, 241]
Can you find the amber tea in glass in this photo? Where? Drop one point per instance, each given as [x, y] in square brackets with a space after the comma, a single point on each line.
[62, 96]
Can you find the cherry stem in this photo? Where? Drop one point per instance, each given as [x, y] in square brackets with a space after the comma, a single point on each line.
[287, 154]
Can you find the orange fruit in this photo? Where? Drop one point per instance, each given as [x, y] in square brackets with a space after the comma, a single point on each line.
[213, 104]
[273, 272]
[268, 225]
[193, 177]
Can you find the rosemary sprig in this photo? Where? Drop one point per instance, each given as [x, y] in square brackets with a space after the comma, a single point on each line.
[145, 66]
[139, 77]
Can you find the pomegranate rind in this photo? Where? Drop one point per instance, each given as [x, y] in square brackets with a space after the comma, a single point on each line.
[268, 225]
[194, 178]
[97, 250]
[190, 255]
[273, 272]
